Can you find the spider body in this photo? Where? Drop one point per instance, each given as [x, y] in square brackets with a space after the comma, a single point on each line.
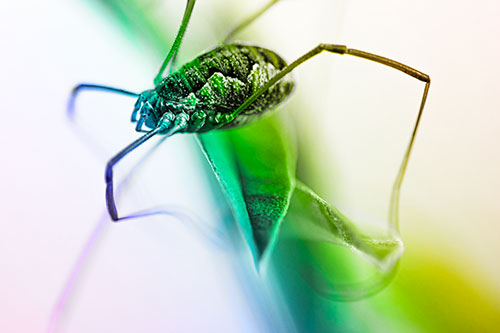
[228, 86]
[210, 87]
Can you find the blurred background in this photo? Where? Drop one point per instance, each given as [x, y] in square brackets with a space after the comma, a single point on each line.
[65, 267]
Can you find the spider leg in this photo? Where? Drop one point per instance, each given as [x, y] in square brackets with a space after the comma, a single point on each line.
[247, 21]
[163, 128]
[70, 110]
[172, 54]
[342, 49]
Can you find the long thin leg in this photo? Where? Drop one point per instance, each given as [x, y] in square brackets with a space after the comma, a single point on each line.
[341, 49]
[88, 86]
[233, 32]
[177, 42]
[163, 128]
[214, 236]
[247, 21]
[110, 200]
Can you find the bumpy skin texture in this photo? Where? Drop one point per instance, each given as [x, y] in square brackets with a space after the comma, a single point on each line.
[219, 81]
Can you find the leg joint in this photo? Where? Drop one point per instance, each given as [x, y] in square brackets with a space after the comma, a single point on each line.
[340, 49]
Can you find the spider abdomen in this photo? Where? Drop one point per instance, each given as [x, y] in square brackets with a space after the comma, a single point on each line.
[219, 81]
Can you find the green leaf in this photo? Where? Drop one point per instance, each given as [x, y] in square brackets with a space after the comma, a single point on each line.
[367, 267]
[256, 168]
[316, 220]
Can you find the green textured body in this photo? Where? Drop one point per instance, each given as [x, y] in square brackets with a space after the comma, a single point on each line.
[217, 82]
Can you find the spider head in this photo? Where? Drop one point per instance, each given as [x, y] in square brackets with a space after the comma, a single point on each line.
[145, 110]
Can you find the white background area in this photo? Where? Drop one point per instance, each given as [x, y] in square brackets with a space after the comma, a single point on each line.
[162, 274]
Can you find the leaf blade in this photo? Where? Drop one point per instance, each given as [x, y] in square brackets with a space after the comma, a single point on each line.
[263, 161]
